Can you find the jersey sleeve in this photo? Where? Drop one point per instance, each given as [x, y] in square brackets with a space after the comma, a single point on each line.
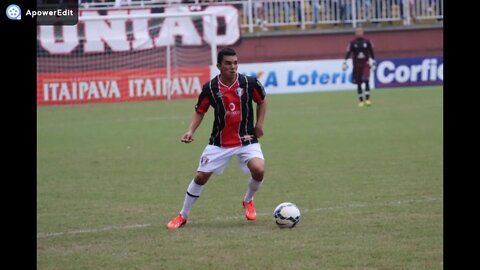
[258, 92]
[349, 50]
[203, 102]
[370, 46]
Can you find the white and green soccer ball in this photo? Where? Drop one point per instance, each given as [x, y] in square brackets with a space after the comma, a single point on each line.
[286, 215]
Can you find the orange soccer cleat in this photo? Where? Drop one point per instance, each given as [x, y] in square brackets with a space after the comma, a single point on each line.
[176, 222]
[250, 212]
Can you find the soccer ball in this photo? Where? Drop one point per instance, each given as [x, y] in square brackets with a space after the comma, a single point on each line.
[286, 215]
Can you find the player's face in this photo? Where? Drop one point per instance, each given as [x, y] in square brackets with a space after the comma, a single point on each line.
[359, 32]
[228, 66]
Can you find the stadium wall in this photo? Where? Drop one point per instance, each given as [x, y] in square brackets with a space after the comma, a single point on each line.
[388, 43]
[405, 57]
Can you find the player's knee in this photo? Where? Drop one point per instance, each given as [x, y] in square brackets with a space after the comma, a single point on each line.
[258, 176]
[257, 169]
[201, 178]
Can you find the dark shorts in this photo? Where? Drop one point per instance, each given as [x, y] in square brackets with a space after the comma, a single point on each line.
[361, 73]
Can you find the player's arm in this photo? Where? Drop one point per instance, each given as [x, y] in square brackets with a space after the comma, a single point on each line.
[372, 56]
[370, 48]
[261, 112]
[259, 98]
[194, 124]
[347, 55]
[201, 108]
[349, 51]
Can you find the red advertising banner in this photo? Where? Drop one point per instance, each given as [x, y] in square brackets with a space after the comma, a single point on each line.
[120, 85]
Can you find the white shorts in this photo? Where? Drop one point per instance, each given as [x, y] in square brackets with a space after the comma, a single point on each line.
[215, 159]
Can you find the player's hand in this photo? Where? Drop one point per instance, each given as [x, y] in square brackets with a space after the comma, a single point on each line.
[344, 66]
[258, 131]
[372, 64]
[187, 137]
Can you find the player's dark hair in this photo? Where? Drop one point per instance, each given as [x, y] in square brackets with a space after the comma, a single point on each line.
[223, 52]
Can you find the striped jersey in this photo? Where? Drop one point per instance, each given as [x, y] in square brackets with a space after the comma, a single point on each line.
[233, 107]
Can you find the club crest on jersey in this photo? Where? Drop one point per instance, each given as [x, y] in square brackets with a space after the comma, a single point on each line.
[239, 91]
[219, 94]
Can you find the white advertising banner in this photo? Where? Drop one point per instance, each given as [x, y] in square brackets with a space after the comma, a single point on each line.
[301, 76]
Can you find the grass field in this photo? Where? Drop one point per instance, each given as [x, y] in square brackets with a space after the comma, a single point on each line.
[368, 181]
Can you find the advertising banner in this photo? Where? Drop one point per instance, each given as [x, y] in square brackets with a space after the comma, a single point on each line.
[119, 85]
[401, 72]
[300, 76]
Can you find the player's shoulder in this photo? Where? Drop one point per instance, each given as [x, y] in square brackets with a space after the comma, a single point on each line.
[206, 86]
[255, 83]
[367, 40]
[248, 78]
[211, 82]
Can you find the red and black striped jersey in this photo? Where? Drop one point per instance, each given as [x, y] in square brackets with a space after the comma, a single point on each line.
[233, 107]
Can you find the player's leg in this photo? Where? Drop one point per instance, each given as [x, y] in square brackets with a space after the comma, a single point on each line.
[359, 92]
[194, 190]
[368, 102]
[360, 95]
[357, 79]
[252, 161]
[367, 90]
[365, 79]
[257, 170]
[213, 160]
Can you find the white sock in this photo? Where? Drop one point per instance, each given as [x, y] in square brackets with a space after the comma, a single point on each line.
[193, 192]
[253, 186]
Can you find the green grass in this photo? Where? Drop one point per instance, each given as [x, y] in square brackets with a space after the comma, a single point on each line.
[367, 180]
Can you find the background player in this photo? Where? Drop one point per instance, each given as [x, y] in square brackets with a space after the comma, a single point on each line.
[363, 59]
[234, 132]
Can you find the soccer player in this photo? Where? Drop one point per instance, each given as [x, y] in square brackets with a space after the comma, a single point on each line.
[363, 60]
[234, 133]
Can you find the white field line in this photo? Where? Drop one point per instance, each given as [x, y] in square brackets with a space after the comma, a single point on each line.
[108, 228]
[137, 226]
